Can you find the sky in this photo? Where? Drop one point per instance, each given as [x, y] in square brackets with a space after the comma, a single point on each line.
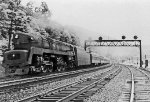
[112, 18]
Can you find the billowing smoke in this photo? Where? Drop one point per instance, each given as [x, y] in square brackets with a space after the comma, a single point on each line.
[41, 22]
[32, 19]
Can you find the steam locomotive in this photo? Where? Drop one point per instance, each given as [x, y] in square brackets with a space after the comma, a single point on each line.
[37, 53]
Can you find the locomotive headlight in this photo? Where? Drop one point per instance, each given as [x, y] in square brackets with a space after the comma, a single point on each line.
[16, 36]
[13, 55]
[31, 38]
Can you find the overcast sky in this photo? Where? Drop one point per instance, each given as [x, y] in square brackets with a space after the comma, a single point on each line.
[112, 18]
[108, 17]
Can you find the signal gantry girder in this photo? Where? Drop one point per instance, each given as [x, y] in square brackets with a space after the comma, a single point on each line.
[115, 43]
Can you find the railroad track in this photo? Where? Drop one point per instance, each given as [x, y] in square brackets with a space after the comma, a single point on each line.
[6, 84]
[138, 88]
[75, 92]
[21, 89]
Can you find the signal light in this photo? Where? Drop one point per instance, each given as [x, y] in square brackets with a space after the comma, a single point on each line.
[123, 37]
[135, 37]
[100, 38]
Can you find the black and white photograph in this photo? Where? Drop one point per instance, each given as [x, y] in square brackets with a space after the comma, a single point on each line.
[74, 50]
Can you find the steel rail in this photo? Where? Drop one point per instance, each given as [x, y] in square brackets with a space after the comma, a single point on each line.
[35, 79]
[82, 90]
[53, 90]
[85, 88]
[144, 72]
[31, 98]
[132, 94]
[132, 85]
[132, 91]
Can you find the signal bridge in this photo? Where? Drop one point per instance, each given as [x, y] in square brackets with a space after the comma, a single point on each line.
[116, 43]
[129, 43]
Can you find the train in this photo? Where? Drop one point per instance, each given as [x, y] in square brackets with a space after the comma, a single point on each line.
[36, 53]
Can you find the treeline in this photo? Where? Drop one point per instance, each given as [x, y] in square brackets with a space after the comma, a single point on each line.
[31, 19]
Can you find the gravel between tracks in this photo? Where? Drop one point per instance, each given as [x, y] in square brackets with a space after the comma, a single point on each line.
[113, 90]
[24, 92]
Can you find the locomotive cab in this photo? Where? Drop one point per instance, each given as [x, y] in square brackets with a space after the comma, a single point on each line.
[15, 61]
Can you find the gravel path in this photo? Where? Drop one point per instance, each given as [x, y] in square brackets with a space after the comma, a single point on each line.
[113, 90]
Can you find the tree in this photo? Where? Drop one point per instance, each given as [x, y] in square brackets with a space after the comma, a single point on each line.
[31, 19]
[11, 18]
[37, 12]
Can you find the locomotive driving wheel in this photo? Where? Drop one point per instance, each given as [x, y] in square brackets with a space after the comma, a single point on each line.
[48, 68]
[61, 64]
[48, 64]
[45, 69]
[59, 68]
[71, 65]
[64, 66]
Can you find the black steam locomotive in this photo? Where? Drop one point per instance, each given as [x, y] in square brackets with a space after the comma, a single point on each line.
[36, 53]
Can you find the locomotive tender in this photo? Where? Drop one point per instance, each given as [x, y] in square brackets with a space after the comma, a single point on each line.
[37, 53]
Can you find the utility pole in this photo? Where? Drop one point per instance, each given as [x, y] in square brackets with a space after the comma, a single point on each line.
[141, 62]
[146, 62]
